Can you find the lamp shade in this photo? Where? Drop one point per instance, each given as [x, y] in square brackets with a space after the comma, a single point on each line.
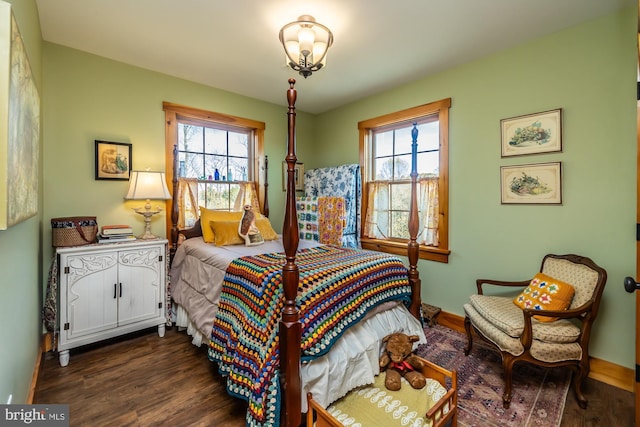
[145, 185]
[306, 44]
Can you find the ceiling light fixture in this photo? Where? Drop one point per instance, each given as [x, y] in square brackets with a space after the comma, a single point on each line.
[306, 44]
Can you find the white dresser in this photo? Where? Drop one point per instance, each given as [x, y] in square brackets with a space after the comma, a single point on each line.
[108, 290]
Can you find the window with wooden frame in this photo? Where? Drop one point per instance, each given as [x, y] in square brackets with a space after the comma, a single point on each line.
[220, 159]
[385, 158]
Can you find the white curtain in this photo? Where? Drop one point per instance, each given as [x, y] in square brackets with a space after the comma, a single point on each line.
[376, 222]
[247, 196]
[428, 209]
[187, 202]
[377, 217]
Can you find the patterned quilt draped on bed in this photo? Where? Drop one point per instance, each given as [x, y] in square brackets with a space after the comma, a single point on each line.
[337, 288]
[339, 181]
[321, 219]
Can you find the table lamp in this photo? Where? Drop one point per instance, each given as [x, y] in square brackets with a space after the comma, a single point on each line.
[146, 185]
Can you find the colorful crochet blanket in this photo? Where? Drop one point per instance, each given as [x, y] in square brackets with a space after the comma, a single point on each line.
[338, 286]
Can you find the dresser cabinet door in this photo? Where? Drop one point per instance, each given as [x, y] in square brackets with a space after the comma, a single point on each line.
[91, 293]
[141, 291]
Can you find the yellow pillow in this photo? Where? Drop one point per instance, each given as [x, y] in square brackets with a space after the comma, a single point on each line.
[267, 231]
[226, 233]
[208, 215]
[545, 293]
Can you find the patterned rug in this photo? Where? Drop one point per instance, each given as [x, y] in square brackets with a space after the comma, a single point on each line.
[538, 394]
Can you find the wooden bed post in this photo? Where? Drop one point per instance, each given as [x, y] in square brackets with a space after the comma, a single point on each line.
[290, 327]
[174, 206]
[413, 248]
[265, 206]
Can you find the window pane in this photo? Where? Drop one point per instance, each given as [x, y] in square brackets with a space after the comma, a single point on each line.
[217, 196]
[428, 163]
[238, 144]
[202, 189]
[238, 168]
[383, 169]
[402, 167]
[403, 140]
[234, 189]
[189, 138]
[400, 224]
[400, 197]
[215, 141]
[216, 162]
[429, 136]
[383, 144]
[194, 165]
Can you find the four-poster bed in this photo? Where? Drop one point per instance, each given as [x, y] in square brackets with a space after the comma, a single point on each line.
[295, 281]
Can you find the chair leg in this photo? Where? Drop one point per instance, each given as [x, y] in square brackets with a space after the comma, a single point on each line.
[467, 327]
[578, 377]
[507, 364]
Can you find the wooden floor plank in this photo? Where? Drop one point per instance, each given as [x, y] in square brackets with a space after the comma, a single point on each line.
[145, 380]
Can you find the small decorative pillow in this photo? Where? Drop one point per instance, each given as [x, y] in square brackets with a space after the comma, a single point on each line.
[545, 293]
[226, 233]
[247, 228]
[208, 215]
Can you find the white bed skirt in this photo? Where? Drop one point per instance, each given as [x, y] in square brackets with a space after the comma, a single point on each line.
[353, 360]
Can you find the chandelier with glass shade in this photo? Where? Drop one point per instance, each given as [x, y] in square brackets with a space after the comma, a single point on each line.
[306, 44]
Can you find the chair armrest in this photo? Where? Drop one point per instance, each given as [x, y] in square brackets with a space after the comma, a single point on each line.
[528, 313]
[480, 282]
[576, 313]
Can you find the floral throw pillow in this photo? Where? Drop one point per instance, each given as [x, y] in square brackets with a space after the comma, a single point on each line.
[545, 293]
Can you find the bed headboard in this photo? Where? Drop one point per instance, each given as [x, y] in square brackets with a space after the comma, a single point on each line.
[341, 181]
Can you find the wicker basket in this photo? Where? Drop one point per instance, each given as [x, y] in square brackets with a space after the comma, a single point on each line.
[74, 231]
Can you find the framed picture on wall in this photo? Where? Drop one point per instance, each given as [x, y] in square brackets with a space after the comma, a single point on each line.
[19, 126]
[532, 133]
[113, 160]
[539, 183]
[299, 176]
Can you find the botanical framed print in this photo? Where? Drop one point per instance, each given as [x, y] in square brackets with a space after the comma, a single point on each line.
[113, 160]
[539, 183]
[299, 176]
[532, 133]
[19, 126]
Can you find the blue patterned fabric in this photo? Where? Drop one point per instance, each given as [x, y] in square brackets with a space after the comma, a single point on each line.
[341, 181]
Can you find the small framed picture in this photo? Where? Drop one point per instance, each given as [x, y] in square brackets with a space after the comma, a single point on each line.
[299, 176]
[532, 133]
[532, 184]
[113, 160]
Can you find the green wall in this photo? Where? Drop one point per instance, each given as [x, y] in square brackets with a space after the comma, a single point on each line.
[590, 72]
[20, 246]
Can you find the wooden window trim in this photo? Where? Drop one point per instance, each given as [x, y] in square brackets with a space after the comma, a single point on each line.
[441, 253]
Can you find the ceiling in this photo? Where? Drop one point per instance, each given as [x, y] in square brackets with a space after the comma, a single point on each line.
[234, 46]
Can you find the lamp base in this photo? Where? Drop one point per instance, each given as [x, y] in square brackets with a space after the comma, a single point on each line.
[147, 213]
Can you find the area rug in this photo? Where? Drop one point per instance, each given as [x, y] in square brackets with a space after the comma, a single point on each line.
[538, 394]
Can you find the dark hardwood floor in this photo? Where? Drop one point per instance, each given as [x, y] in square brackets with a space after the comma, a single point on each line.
[144, 380]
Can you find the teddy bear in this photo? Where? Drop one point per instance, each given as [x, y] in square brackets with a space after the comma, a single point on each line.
[399, 361]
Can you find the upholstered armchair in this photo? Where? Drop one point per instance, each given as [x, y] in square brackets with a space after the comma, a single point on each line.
[549, 338]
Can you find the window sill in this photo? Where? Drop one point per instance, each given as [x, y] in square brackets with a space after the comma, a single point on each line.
[400, 248]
